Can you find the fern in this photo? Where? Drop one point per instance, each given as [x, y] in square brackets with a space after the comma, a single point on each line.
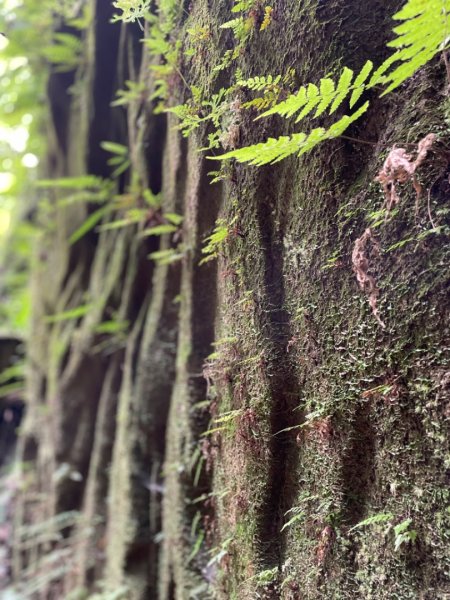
[241, 5]
[309, 99]
[326, 96]
[81, 182]
[227, 58]
[276, 149]
[134, 91]
[244, 25]
[132, 10]
[119, 160]
[196, 111]
[259, 83]
[423, 33]
[272, 88]
[373, 520]
[214, 242]
[299, 515]
[168, 256]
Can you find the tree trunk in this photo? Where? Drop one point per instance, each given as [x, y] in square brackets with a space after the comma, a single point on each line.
[320, 416]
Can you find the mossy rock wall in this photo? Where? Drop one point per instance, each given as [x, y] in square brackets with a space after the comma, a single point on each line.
[321, 416]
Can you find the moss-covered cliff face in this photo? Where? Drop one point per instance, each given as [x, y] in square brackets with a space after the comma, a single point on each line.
[230, 440]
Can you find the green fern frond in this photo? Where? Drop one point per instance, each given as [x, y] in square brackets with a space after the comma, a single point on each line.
[260, 83]
[373, 520]
[271, 86]
[262, 102]
[290, 106]
[189, 114]
[273, 150]
[241, 5]
[325, 98]
[213, 244]
[276, 149]
[131, 10]
[424, 32]
[234, 24]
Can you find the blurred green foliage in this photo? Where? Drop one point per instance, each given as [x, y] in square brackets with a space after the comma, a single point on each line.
[27, 44]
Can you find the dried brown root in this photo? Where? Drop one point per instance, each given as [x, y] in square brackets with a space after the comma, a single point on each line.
[360, 262]
[400, 168]
[327, 537]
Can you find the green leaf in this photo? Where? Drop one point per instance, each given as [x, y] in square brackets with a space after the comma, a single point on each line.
[228, 417]
[166, 257]
[119, 224]
[288, 107]
[89, 224]
[313, 99]
[298, 517]
[67, 315]
[327, 93]
[342, 89]
[115, 148]
[153, 200]
[11, 388]
[121, 168]
[197, 546]
[359, 81]
[271, 151]
[81, 182]
[403, 526]
[174, 218]
[159, 230]
[373, 520]
[14, 372]
[423, 33]
[112, 327]
[132, 10]
[340, 126]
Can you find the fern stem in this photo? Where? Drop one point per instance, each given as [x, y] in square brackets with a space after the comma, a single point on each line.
[352, 139]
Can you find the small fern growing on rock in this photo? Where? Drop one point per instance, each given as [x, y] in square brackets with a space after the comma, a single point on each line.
[271, 87]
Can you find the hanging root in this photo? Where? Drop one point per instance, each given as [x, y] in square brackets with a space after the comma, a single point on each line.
[400, 168]
[360, 262]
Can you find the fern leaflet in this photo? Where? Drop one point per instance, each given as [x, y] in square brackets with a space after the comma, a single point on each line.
[373, 520]
[259, 83]
[424, 32]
